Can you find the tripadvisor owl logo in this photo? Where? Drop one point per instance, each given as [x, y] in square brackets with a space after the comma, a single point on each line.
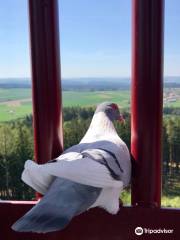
[139, 231]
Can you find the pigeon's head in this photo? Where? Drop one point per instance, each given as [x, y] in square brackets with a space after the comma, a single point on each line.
[111, 110]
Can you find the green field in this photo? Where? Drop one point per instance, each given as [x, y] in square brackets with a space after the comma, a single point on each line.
[14, 94]
[71, 98]
[16, 102]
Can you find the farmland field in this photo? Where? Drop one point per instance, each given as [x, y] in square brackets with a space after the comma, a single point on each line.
[71, 98]
[7, 94]
[16, 102]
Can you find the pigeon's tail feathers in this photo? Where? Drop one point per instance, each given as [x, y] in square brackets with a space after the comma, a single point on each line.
[47, 222]
[63, 201]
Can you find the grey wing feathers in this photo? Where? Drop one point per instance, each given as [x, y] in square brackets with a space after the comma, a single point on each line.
[62, 202]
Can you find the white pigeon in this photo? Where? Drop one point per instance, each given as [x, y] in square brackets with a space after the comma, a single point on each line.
[90, 174]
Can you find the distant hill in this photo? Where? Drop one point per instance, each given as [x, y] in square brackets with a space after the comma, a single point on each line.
[172, 82]
[87, 84]
[96, 84]
[15, 82]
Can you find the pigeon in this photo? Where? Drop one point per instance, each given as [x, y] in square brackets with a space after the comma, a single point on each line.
[90, 174]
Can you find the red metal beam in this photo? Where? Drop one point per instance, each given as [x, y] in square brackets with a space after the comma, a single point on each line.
[147, 95]
[96, 224]
[46, 84]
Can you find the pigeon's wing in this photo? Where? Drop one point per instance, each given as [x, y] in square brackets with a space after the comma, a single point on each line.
[62, 202]
[39, 182]
[84, 170]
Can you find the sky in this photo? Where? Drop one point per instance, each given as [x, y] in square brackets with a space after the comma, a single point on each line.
[95, 38]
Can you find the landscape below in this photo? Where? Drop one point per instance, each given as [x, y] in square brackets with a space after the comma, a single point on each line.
[16, 134]
[17, 102]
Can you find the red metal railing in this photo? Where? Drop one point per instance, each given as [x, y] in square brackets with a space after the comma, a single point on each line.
[147, 101]
[96, 224]
[46, 84]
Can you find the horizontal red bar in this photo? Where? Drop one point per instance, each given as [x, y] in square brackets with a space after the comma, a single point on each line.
[96, 224]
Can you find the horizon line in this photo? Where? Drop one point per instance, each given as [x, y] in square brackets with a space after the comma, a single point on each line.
[83, 77]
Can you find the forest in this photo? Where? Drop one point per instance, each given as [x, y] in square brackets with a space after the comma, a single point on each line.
[16, 146]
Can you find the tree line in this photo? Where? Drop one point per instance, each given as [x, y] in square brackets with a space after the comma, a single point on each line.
[16, 145]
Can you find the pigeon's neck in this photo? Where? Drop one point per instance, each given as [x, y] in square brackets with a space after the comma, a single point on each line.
[100, 125]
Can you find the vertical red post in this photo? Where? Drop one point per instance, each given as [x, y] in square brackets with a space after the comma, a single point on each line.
[46, 80]
[147, 96]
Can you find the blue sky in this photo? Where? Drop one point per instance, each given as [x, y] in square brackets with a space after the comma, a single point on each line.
[95, 38]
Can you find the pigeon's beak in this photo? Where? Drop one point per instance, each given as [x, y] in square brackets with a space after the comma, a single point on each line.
[121, 119]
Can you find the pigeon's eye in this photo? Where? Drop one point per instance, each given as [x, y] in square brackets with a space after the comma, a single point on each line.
[114, 106]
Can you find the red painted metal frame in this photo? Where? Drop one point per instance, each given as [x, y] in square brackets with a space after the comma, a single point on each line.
[147, 96]
[96, 224]
[46, 84]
